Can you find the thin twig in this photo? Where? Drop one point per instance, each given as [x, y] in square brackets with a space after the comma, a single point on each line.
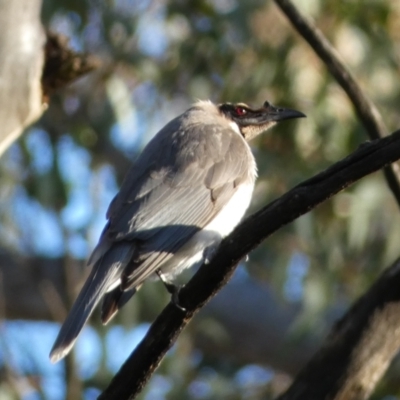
[365, 108]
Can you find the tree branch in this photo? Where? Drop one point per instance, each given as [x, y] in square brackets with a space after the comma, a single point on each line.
[210, 278]
[365, 108]
[21, 42]
[37, 65]
[359, 348]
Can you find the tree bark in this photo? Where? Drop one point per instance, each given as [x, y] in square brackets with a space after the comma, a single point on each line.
[33, 65]
[22, 58]
[359, 349]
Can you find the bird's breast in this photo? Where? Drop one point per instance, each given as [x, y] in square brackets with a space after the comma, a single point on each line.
[231, 214]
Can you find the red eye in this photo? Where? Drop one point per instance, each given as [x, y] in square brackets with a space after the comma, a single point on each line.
[240, 111]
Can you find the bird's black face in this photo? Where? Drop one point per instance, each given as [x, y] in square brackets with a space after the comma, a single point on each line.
[243, 115]
[252, 122]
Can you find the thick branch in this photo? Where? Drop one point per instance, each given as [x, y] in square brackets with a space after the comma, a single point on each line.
[365, 108]
[21, 43]
[138, 368]
[33, 66]
[358, 350]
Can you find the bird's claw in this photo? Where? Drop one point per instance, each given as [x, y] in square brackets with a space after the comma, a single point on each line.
[173, 290]
[175, 299]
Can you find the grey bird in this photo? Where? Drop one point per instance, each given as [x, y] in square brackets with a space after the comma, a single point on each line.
[187, 190]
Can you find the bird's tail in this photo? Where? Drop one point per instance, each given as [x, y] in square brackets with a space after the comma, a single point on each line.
[104, 274]
[113, 301]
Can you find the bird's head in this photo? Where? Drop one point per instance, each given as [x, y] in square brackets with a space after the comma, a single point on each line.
[251, 123]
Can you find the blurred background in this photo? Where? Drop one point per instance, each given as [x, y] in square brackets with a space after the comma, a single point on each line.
[157, 57]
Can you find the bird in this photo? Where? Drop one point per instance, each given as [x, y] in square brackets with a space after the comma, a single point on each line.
[186, 191]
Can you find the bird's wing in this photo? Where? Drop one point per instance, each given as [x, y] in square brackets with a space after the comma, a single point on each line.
[177, 186]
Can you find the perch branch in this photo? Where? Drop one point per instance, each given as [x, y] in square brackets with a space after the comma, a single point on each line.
[210, 278]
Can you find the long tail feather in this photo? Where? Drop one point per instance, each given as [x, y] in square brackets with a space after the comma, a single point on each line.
[104, 274]
[113, 301]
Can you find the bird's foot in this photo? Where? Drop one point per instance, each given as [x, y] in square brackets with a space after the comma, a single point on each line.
[172, 289]
[175, 298]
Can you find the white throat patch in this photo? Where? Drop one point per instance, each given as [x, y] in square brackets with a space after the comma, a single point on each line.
[235, 127]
